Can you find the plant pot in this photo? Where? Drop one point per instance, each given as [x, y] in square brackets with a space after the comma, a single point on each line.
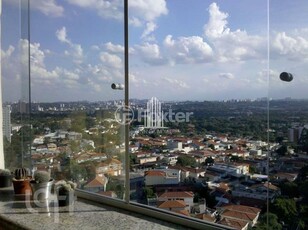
[5, 181]
[65, 198]
[22, 187]
[41, 191]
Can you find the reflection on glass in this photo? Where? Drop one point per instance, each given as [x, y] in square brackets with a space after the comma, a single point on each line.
[73, 57]
[288, 113]
[200, 141]
[199, 138]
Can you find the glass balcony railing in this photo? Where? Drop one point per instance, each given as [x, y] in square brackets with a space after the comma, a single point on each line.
[183, 110]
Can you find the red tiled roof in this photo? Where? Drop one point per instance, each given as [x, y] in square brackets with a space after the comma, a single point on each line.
[183, 212]
[177, 194]
[237, 224]
[109, 162]
[206, 217]
[241, 208]
[107, 193]
[98, 181]
[173, 204]
[239, 215]
[155, 173]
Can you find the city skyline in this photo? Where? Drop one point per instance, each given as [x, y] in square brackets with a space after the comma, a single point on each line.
[201, 50]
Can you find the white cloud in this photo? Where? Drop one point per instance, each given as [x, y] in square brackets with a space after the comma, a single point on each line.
[232, 45]
[149, 53]
[188, 49]
[105, 8]
[148, 10]
[133, 21]
[176, 83]
[77, 53]
[141, 12]
[39, 74]
[8, 53]
[111, 60]
[217, 24]
[10, 64]
[145, 13]
[150, 27]
[47, 7]
[76, 50]
[114, 48]
[37, 56]
[293, 48]
[226, 75]
[62, 35]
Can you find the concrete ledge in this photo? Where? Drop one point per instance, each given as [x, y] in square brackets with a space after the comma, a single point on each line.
[20, 213]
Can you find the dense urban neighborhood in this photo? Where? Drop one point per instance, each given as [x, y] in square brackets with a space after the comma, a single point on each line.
[226, 164]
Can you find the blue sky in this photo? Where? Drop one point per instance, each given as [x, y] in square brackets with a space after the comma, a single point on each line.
[179, 50]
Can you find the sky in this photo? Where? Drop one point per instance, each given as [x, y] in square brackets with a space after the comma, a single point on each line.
[178, 49]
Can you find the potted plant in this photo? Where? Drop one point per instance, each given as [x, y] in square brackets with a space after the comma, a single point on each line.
[65, 192]
[41, 185]
[5, 178]
[21, 181]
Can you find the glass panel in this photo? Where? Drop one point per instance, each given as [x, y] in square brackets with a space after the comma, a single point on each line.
[15, 84]
[198, 77]
[288, 112]
[75, 55]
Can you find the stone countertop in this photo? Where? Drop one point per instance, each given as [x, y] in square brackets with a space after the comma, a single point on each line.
[16, 212]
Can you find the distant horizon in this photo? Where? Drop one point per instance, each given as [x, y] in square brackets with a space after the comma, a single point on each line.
[167, 101]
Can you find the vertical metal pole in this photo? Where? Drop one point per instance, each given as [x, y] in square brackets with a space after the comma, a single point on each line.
[2, 165]
[268, 112]
[29, 82]
[126, 89]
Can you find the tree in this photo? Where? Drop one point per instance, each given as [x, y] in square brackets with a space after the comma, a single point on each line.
[209, 161]
[282, 150]
[77, 172]
[303, 188]
[149, 193]
[186, 161]
[272, 222]
[252, 169]
[234, 158]
[285, 210]
[289, 189]
[302, 174]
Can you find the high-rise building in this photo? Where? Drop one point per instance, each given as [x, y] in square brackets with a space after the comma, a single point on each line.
[154, 114]
[6, 125]
[295, 133]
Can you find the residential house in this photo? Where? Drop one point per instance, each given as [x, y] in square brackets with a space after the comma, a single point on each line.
[240, 213]
[162, 176]
[144, 160]
[235, 224]
[170, 159]
[111, 167]
[185, 196]
[234, 169]
[206, 217]
[186, 172]
[257, 191]
[174, 205]
[213, 145]
[111, 194]
[97, 184]
[173, 145]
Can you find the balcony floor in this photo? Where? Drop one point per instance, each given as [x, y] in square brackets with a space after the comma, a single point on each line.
[16, 213]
